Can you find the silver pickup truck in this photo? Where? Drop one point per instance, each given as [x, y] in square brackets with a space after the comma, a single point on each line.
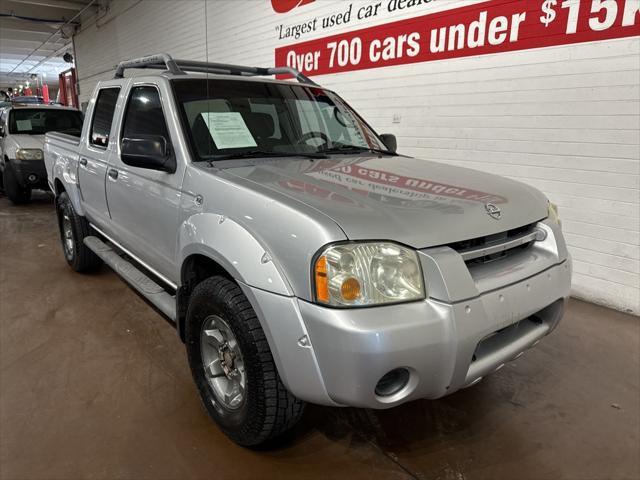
[301, 258]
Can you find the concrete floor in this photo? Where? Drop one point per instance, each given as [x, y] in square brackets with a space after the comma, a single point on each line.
[94, 384]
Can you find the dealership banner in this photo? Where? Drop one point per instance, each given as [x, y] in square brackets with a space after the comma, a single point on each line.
[488, 27]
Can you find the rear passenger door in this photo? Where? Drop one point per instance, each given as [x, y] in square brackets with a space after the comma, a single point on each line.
[143, 201]
[95, 154]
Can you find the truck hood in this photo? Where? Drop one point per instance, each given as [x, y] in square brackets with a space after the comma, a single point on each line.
[415, 202]
[28, 141]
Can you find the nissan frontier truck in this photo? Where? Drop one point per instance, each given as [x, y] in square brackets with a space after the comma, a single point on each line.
[301, 258]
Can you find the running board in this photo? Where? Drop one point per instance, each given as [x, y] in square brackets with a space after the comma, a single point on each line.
[149, 289]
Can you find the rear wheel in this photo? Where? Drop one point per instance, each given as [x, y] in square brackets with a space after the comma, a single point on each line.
[16, 192]
[232, 365]
[73, 230]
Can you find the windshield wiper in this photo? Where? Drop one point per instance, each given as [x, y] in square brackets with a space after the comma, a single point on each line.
[337, 149]
[261, 153]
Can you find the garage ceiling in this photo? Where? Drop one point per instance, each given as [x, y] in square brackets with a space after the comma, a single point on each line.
[34, 34]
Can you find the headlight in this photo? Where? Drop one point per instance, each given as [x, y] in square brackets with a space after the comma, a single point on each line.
[29, 154]
[363, 273]
[553, 213]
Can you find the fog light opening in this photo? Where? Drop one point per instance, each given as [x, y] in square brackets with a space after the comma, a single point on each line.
[541, 235]
[32, 178]
[392, 382]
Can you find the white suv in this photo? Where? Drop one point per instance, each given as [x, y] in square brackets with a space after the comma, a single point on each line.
[22, 129]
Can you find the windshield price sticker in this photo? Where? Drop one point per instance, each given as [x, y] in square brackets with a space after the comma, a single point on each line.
[487, 27]
[228, 130]
[24, 125]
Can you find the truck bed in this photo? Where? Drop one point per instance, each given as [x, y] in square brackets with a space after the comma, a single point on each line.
[62, 139]
[60, 150]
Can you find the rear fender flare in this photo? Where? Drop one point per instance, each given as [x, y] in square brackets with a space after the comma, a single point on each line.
[65, 170]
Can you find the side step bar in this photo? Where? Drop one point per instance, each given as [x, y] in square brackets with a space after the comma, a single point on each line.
[149, 289]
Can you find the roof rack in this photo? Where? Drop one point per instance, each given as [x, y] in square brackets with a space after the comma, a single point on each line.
[163, 61]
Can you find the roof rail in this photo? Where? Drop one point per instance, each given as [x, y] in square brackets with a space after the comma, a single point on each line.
[163, 61]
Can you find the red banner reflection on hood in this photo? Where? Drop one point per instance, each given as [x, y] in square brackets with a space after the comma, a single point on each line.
[419, 184]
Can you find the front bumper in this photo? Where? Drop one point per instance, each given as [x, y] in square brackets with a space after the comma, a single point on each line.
[338, 356]
[444, 347]
[31, 173]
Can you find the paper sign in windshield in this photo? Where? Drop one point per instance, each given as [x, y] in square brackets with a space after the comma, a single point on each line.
[228, 130]
[23, 125]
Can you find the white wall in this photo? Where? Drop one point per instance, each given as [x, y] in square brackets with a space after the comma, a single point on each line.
[565, 119]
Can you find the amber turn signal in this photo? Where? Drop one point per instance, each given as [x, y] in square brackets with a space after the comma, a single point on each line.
[322, 284]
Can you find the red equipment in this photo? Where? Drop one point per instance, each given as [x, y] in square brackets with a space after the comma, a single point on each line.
[67, 95]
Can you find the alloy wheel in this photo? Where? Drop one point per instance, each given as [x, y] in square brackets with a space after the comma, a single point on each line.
[223, 363]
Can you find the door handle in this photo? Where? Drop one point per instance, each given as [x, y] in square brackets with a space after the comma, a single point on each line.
[113, 173]
[83, 162]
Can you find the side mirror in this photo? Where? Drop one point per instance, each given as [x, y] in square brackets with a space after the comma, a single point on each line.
[390, 142]
[151, 152]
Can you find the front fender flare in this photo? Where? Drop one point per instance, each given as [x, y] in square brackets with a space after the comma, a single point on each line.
[234, 248]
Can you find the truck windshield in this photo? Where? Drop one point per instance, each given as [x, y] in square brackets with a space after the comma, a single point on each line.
[225, 118]
[38, 121]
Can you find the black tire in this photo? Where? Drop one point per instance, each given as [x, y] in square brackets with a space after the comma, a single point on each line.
[268, 409]
[18, 194]
[79, 257]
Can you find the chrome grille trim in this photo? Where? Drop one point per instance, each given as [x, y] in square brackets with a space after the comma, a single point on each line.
[474, 253]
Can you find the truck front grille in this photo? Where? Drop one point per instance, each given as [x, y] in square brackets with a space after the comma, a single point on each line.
[498, 246]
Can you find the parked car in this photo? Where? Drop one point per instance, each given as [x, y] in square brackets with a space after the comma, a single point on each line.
[22, 130]
[301, 258]
[27, 100]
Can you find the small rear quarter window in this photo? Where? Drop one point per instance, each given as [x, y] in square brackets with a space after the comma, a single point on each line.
[103, 116]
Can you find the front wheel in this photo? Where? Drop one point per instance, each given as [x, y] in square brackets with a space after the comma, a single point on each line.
[17, 193]
[232, 365]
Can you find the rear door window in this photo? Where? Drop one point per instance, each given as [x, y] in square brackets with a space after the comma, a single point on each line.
[103, 116]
